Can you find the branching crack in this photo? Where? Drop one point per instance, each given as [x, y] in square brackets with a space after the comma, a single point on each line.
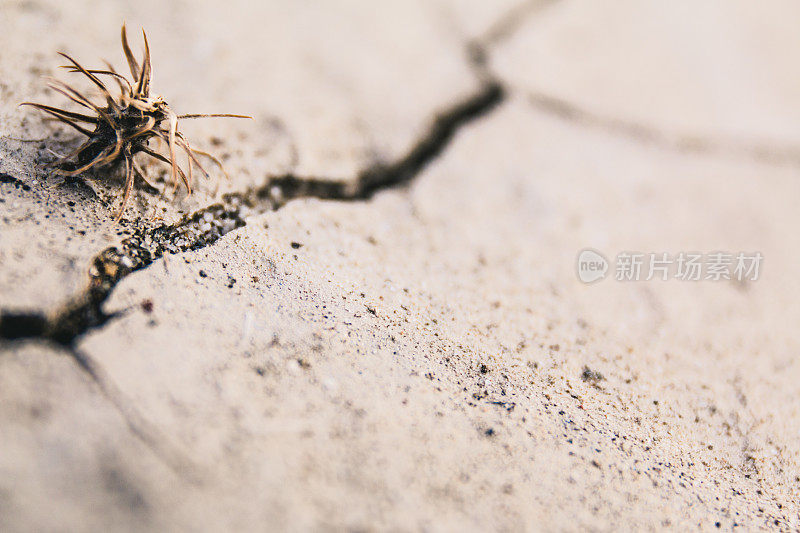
[143, 430]
[571, 112]
[85, 312]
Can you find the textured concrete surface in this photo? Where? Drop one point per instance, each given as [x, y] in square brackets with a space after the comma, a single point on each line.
[332, 346]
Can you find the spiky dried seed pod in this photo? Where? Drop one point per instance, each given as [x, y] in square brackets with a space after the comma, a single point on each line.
[124, 126]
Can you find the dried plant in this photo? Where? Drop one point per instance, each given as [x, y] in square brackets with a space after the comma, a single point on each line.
[123, 126]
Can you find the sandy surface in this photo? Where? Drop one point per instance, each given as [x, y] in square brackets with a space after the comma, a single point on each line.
[376, 324]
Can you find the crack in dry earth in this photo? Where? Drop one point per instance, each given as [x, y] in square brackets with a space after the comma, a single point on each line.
[204, 227]
[84, 312]
[563, 109]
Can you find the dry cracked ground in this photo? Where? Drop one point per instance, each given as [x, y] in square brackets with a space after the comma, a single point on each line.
[375, 324]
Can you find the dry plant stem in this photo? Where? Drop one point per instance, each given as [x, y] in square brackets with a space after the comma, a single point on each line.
[123, 125]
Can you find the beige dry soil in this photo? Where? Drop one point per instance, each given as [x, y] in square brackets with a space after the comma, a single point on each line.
[375, 323]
